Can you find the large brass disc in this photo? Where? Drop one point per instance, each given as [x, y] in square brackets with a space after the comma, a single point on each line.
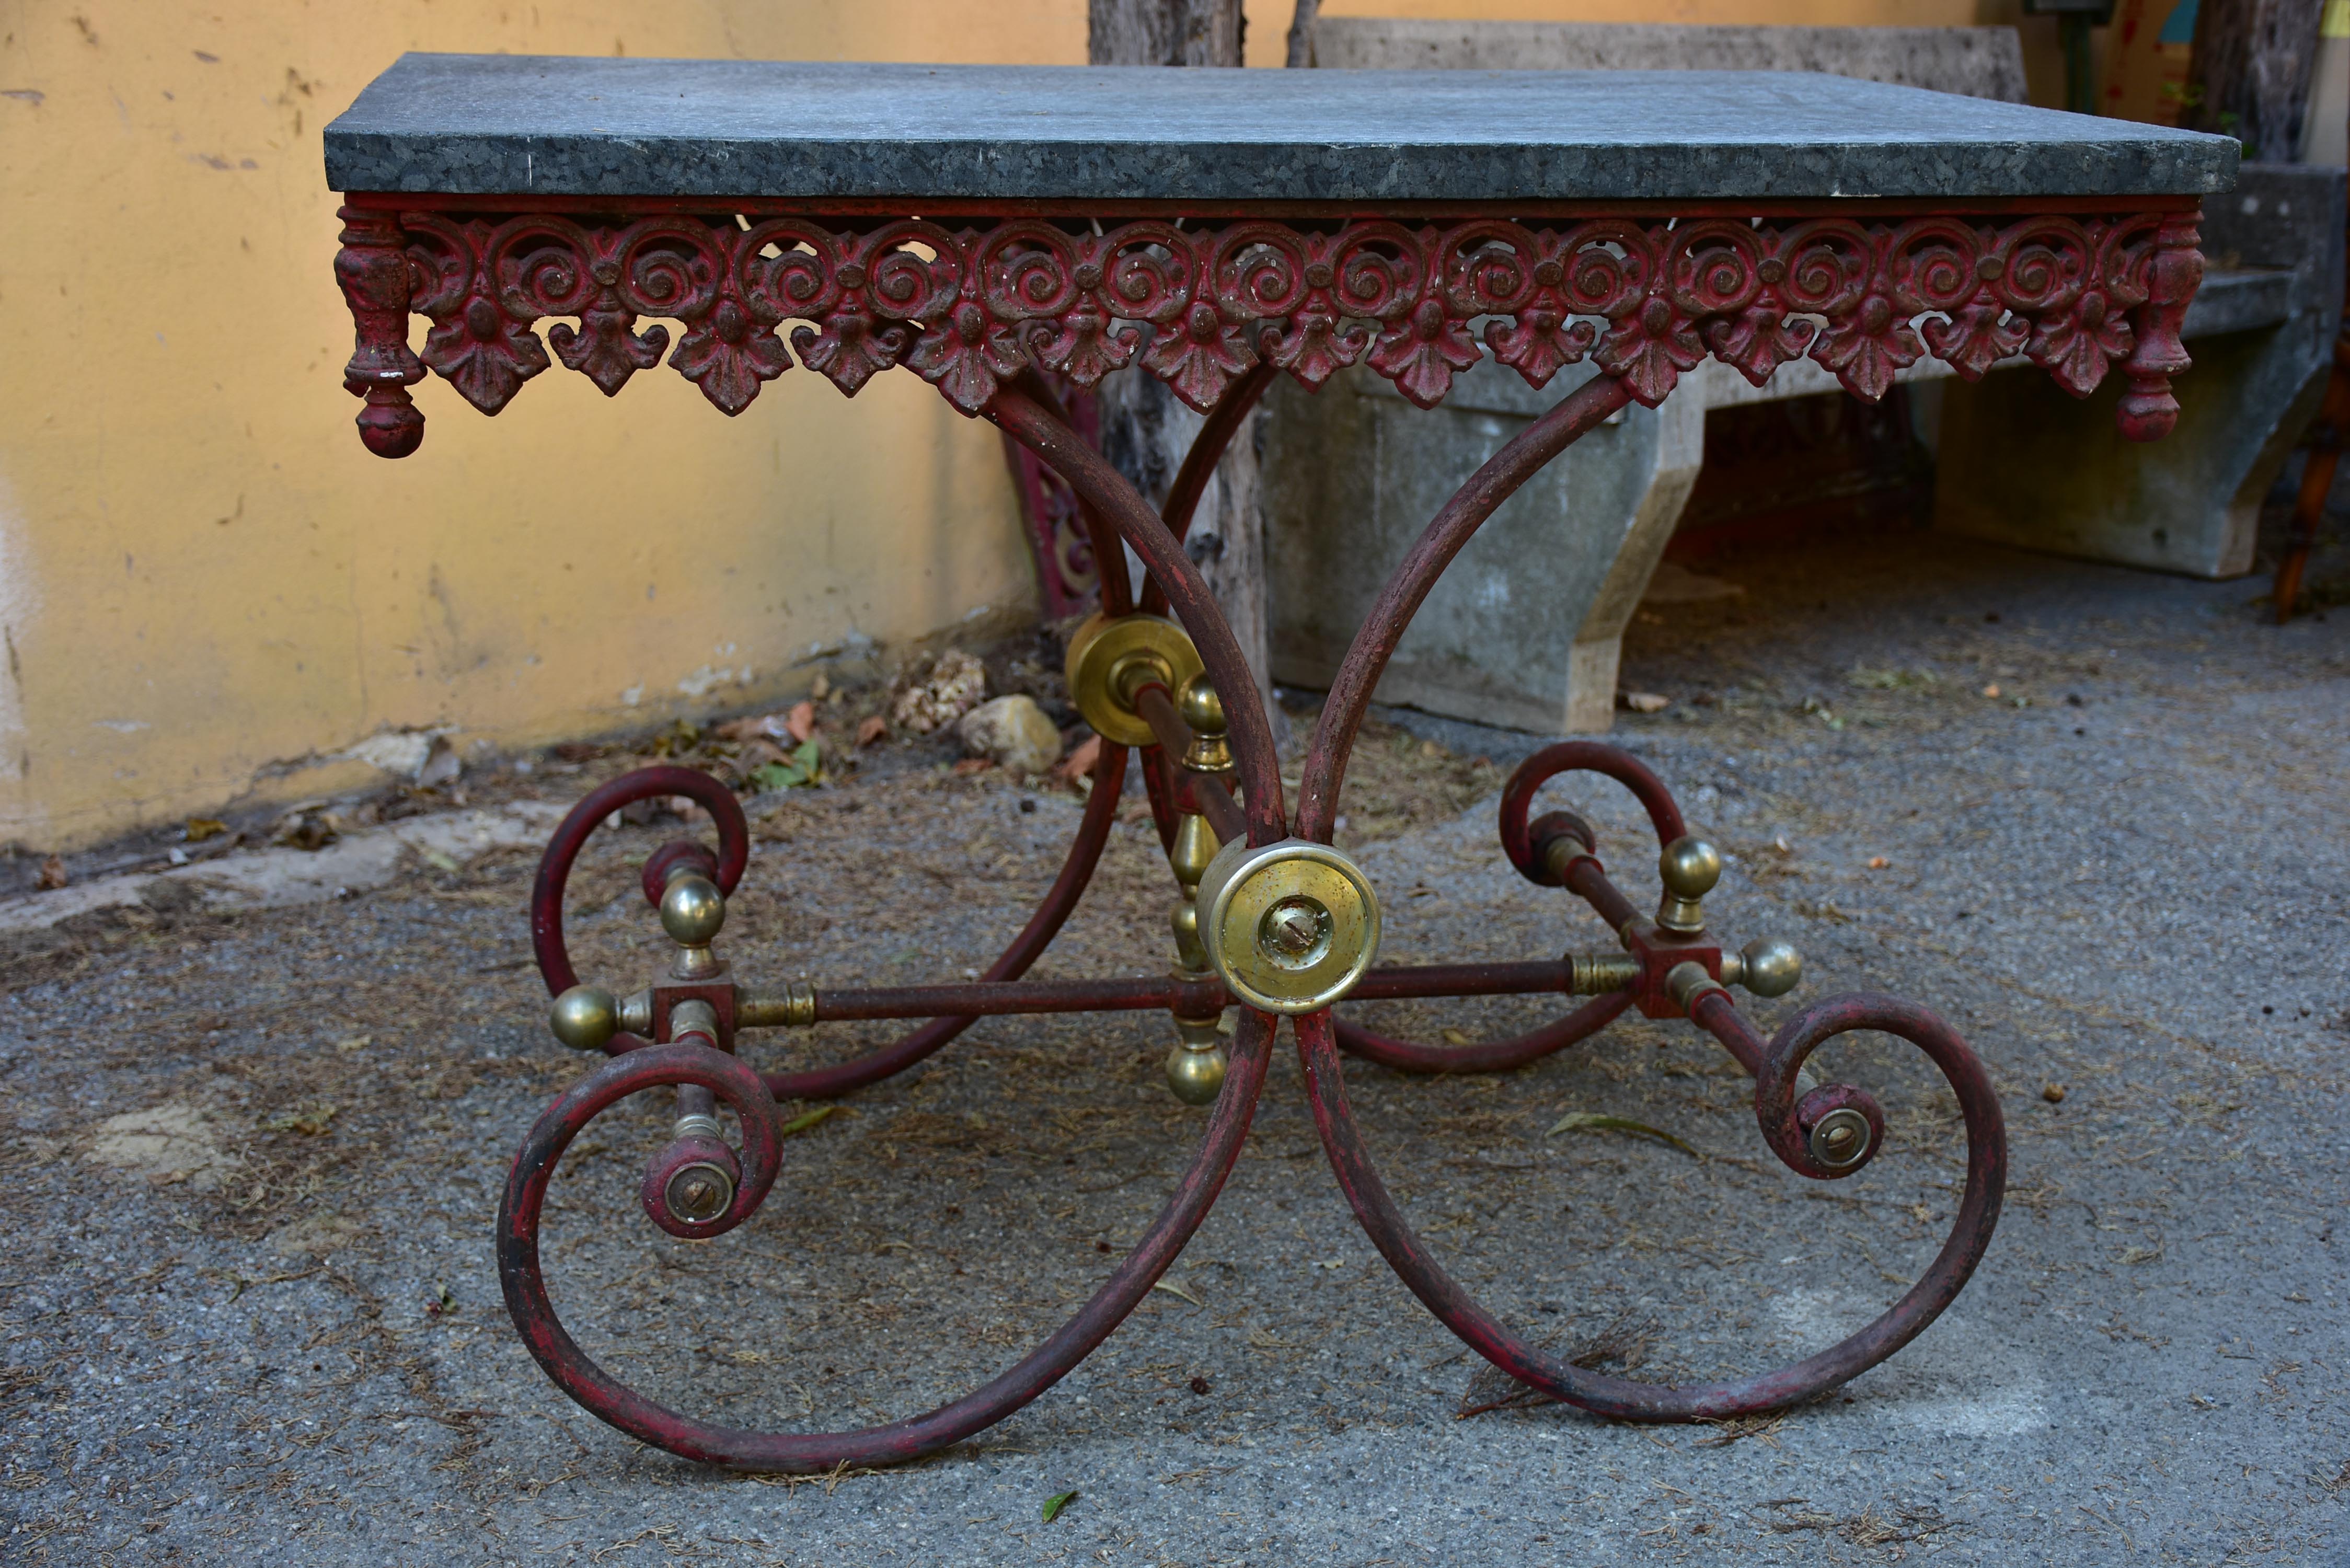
[1108, 654]
[1290, 927]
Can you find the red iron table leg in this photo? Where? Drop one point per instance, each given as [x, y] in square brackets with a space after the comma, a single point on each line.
[814, 1452]
[1626, 1398]
[645, 1067]
[983, 311]
[1786, 1125]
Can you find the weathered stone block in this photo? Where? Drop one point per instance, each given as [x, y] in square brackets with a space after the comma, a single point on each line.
[1523, 629]
[2023, 463]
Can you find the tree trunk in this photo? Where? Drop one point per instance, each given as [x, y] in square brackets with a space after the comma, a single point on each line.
[2248, 76]
[1163, 32]
[1301, 32]
[1145, 432]
[1145, 429]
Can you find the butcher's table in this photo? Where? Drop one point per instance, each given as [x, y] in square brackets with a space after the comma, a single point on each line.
[1006, 234]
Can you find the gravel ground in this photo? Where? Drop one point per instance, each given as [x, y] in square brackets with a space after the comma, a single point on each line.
[251, 1314]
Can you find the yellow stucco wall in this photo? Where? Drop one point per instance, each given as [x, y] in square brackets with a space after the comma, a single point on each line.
[208, 589]
[210, 593]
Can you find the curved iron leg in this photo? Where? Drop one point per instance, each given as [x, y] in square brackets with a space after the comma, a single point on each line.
[1317, 1033]
[803, 1453]
[1626, 1398]
[1251, 738]
[1519, 460]
[1102, 486]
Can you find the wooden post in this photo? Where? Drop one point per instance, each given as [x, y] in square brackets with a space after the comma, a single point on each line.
[2248, 76]
[1301, 33]
[1145, 430]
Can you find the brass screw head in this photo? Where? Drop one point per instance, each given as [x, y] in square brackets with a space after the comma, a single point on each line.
[699, 1193]
[585, 1018]
[1196, 1076]
[1198, 707]
[1773, 968]
[1295, 932]
[1839, 1138]
[693, 911]
[1689, 867]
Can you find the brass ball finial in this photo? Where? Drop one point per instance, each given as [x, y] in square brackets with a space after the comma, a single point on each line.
[1200, 707]
[1689, 867]
[1202, 712]
[1773, 967]
[585, 1018]
[1196, 1076]
[693, 911]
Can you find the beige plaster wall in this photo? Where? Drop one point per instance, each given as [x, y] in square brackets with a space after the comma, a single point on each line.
[209, 591]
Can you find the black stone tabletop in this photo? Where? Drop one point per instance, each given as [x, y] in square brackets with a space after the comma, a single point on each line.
[561, 126]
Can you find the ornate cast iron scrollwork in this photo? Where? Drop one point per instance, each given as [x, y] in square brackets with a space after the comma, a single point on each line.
[969, 309]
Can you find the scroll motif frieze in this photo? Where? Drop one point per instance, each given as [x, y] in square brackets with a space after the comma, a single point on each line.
[969, 309]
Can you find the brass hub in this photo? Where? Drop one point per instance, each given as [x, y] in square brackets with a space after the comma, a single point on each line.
[1113, 656]
[1290, 927]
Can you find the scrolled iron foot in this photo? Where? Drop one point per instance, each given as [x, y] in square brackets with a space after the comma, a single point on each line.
[736, 1085]
[1626, 1398]
[1675, 968]
[724, 868]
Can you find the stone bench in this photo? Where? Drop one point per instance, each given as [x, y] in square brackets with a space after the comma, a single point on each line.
[1351, 475]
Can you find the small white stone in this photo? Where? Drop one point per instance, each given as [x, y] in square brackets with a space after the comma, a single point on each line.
[1014, 733]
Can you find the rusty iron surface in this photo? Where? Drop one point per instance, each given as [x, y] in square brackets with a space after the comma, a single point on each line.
[985, 315]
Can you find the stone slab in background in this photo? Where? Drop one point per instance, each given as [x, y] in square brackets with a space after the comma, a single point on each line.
[1977, 62]
[1521, 630]
[2024, 463]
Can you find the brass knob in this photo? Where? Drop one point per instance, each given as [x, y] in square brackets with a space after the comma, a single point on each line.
[1770, 967]
[693, 911]
[1200, 707]
[1196, 1067]
[585, 1018]
[1197, 1077]
[1202, 711]
[1689, 868]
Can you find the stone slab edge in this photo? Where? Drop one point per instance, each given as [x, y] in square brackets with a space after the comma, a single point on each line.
[462, 124]
[271, 878]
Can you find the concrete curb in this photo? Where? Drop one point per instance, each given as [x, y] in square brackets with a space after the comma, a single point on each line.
[268, 878]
